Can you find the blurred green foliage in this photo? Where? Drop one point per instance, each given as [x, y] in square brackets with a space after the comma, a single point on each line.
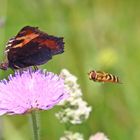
[101, 35]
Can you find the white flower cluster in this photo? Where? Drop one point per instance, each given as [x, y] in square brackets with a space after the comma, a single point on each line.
[74, 109]
[98, 136]
[72, 136]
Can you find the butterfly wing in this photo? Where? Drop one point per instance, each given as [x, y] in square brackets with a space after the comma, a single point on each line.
[25, 35]
[32, 47]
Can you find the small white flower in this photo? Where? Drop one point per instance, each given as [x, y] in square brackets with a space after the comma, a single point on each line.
[72, 136]
[71, 83]
[74, 109]
[98, 136]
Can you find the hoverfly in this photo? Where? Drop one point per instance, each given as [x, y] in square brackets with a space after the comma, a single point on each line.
[100, 76]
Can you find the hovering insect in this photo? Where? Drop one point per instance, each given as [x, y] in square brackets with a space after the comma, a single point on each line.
[31, 47]
[100, 76]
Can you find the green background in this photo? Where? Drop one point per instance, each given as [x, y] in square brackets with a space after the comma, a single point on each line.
[101, 35]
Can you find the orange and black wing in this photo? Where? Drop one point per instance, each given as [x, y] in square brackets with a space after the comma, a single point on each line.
[32, 47]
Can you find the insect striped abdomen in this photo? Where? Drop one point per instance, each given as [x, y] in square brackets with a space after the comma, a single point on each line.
[99, 76]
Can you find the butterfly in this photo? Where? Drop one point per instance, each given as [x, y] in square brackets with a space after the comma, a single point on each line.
[100, 76]
[31, 47]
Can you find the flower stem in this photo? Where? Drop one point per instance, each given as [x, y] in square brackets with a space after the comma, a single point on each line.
[35, 125]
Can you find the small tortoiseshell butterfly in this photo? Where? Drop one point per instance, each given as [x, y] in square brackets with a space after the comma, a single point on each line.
[31, 47]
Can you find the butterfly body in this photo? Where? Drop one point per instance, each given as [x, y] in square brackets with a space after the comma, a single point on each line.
[100, 76]
[31, 47]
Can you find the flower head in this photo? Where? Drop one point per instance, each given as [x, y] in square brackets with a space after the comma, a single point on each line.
[72, 136]
[30, 90]
[74, 109]
[71, 85]
[98, 136]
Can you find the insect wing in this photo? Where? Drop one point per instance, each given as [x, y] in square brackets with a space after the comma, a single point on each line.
[32, 47]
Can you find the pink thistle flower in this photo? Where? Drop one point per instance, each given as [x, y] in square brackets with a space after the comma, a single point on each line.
[30, 90]
[98, 136]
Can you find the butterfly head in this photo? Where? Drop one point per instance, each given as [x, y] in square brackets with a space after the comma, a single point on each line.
[4, 66]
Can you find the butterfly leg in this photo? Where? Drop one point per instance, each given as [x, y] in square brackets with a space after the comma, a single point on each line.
[35, 68]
